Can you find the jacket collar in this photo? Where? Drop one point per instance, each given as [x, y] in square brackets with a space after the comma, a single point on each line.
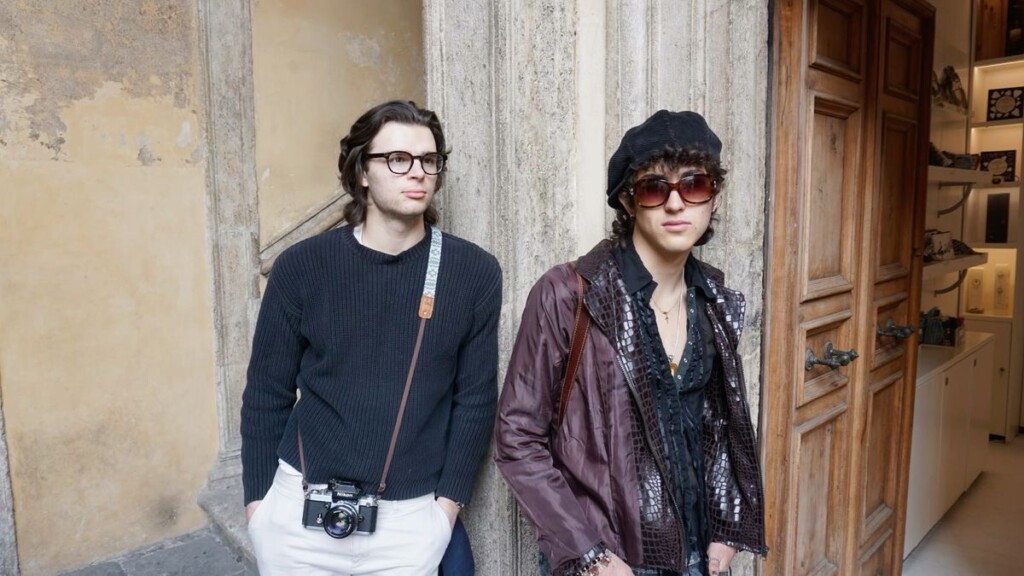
[605, 277]
[637, 278]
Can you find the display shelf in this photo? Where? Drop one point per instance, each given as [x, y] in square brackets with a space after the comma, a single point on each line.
[941, 267]
[999, 62]
[1007, 318]
[957, 176]
[991, 246]
[998, 123]
[947, 114]
[1005, 185]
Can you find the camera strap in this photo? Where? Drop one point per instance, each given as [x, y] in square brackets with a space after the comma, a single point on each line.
[425, 312]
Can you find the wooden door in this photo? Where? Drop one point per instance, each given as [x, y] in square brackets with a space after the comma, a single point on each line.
[851, 96]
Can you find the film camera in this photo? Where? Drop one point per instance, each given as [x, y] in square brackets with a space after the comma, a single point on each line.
[340, 509]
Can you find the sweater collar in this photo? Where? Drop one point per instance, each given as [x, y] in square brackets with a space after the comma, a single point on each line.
[420, 249]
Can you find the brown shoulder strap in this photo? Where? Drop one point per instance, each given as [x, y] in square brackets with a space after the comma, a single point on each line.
[581, 325]
[425, 308]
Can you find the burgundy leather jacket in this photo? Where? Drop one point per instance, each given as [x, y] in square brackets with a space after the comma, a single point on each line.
[601, 475]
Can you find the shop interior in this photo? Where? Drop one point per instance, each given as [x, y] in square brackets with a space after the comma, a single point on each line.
[968, 411]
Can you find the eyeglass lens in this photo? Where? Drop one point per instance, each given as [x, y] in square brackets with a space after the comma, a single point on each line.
[693, 189]
[401, 162]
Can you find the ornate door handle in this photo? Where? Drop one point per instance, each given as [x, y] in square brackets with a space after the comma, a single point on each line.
[894, 330]
[833, 358]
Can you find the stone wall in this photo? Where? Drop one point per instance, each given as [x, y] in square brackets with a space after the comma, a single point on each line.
[106, 348]
[142, 172]
[525, 89]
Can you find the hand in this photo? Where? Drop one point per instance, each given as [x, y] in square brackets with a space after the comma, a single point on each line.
[719, 558]
[616, 567]
[250, 509]
[451, 509]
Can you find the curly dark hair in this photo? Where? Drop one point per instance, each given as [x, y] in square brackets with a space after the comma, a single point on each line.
[671, 158]
[352, 163]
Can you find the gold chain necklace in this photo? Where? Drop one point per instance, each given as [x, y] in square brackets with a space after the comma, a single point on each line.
[666, 312]
[678, 306]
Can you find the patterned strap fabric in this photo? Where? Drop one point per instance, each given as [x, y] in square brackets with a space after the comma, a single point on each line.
[430, 281]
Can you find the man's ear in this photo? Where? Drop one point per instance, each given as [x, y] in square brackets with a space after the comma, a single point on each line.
[626, 203]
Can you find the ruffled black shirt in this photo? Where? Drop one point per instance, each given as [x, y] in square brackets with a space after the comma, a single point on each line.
[679, 398]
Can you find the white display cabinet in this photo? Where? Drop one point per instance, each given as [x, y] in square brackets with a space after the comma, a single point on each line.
[950, 434]
[993, 224]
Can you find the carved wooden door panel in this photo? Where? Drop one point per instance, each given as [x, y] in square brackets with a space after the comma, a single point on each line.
[850, 115]
[897, 169]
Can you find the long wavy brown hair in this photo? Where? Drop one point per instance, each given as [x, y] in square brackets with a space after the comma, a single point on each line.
[352, 161]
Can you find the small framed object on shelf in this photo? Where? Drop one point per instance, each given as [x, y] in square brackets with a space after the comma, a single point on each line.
[1001, 164]
[1005, 104]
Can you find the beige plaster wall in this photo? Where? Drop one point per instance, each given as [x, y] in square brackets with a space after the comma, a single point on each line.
[317, 65]
[106, 362]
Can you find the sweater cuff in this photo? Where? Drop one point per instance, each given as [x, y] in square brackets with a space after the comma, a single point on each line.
[459, 492]
[258, 472]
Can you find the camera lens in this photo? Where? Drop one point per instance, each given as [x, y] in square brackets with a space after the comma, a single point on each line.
[340, 520]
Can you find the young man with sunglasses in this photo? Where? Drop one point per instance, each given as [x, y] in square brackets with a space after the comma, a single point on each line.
[389, 330]
[623, 428]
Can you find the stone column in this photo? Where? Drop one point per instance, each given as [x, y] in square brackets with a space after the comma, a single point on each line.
[502, 77]
[8, 540]
[534, 96]
[233, 224]
[233, 235]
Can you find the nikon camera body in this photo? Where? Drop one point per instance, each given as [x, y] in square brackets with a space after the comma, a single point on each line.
[340, 509]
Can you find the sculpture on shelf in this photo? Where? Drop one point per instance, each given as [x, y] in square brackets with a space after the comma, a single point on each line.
[935, 157]
[946, 159]
[976, 290]
[949, 90]
[938, 245]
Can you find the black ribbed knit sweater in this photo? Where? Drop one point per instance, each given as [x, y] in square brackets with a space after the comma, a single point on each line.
[338, 321]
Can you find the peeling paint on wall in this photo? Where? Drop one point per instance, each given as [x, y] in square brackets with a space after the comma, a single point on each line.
[55, 53]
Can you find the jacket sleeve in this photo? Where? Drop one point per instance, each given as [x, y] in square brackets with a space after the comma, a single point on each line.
[526, 412]
[735, 495]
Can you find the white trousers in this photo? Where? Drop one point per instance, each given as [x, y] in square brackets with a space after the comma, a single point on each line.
[410, 538]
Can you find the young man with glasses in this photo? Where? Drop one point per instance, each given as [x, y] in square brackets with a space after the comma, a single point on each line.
[389, 330]
[623, 428]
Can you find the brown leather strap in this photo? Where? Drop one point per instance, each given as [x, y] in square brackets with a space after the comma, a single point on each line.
[581, 325]
[401, 407]
[398, 419]
[302, 459]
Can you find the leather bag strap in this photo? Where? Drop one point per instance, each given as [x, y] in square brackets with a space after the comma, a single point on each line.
[426, 310]
[401, 408]
[581, 325]
[398, 419]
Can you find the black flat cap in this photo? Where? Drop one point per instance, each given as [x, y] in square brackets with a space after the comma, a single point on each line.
[682, 130]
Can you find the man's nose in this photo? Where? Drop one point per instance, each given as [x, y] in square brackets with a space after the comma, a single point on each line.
[416, 170]
[675, 201]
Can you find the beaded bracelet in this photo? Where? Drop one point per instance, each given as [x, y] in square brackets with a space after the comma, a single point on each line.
[593, 560]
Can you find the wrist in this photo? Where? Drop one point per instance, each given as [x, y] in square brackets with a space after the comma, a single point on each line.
[445, 500]
[592, 561]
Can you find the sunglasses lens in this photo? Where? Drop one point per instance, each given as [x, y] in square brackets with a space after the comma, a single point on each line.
[697, 189]
[651, 193]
